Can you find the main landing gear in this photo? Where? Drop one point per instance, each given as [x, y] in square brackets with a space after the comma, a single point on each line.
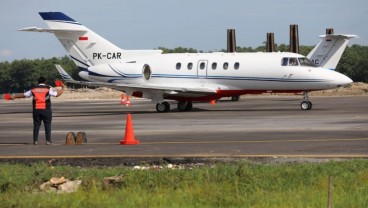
[306, 104]
[235, 98]
[185, 106]
[182, 106]
[163, 107]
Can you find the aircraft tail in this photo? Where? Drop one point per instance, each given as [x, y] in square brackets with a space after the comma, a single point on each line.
[329, 50]
[84, 46]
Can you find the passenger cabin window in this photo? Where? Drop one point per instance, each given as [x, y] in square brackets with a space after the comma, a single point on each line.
[214, 65]
[226, 65]
[178, 65]
[236, 65]
[202, 65]
[190, 66]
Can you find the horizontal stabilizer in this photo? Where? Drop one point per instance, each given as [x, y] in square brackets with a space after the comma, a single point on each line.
[64, 75]
[346, 36]
[36, 29]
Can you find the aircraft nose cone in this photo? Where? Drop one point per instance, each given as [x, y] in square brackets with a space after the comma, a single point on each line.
[342, 80]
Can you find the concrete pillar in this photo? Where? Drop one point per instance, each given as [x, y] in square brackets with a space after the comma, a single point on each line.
[294, 39]
[270, 44]
[231, 42]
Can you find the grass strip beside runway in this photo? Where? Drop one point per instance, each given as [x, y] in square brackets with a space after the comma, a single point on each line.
[239, 184]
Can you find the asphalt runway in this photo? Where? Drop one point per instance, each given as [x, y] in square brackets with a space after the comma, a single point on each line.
[269, 126]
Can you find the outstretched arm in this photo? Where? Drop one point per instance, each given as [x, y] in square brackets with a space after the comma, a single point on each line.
[60, 91]
[13, 97]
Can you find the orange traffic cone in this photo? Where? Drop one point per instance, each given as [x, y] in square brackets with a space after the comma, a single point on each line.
[122, 101]
[127, 101]
[129, 134]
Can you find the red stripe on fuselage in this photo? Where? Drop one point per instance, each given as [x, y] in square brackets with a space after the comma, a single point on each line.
[228, 93]
[221, 93]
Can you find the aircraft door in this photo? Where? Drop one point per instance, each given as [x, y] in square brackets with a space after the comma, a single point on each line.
[202, 69]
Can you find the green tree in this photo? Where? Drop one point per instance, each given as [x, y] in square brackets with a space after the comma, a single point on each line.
[178, 50]
[354, 63]
[21, 75]
[5, 78]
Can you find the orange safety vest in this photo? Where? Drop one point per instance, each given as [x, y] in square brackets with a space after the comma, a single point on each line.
[41, 97]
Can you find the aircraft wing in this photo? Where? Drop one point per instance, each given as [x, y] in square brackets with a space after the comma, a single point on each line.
[151, 88]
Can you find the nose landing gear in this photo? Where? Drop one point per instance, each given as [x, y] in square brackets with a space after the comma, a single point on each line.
[306, 104]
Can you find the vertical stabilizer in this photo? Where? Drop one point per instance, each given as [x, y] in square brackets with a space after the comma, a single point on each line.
[84, 46]
[328, 51]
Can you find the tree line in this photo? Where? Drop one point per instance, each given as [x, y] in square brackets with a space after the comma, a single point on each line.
[20, 75]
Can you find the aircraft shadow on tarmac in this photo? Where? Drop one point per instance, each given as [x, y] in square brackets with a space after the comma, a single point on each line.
[85, 113]
[213, 110]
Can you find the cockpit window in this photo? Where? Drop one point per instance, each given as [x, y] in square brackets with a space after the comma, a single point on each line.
[306, 62]
[284, 61]
[293, 62]
[297, 62]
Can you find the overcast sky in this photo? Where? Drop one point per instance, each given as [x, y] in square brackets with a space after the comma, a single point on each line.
[199, 24]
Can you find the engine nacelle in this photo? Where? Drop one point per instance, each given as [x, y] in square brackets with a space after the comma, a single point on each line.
[118, 70]
[84, 75]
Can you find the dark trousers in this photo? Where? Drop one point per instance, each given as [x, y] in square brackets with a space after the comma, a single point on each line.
[38, 117]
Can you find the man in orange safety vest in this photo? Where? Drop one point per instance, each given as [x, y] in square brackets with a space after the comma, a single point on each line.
[41, 107]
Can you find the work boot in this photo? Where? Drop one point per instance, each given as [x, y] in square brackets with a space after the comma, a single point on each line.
[35, 142]
[48, 143]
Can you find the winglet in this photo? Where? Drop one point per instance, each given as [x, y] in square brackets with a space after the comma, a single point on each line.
[64, 75]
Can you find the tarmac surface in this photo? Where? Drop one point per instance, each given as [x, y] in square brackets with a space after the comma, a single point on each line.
[254, 127]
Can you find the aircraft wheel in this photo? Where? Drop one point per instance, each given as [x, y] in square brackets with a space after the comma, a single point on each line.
[189, 106]
[163, 107]
[306, 105]
[185, 106]
[235, 98]
[182, 106]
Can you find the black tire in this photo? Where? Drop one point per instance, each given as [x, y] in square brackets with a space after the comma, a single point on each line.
[185, 106]
[189, 106]
[306, 105]
[163, 107]
[310, 105]
[235, 98]
[182, 106]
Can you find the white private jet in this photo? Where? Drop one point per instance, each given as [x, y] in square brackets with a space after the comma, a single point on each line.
[188, 77]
